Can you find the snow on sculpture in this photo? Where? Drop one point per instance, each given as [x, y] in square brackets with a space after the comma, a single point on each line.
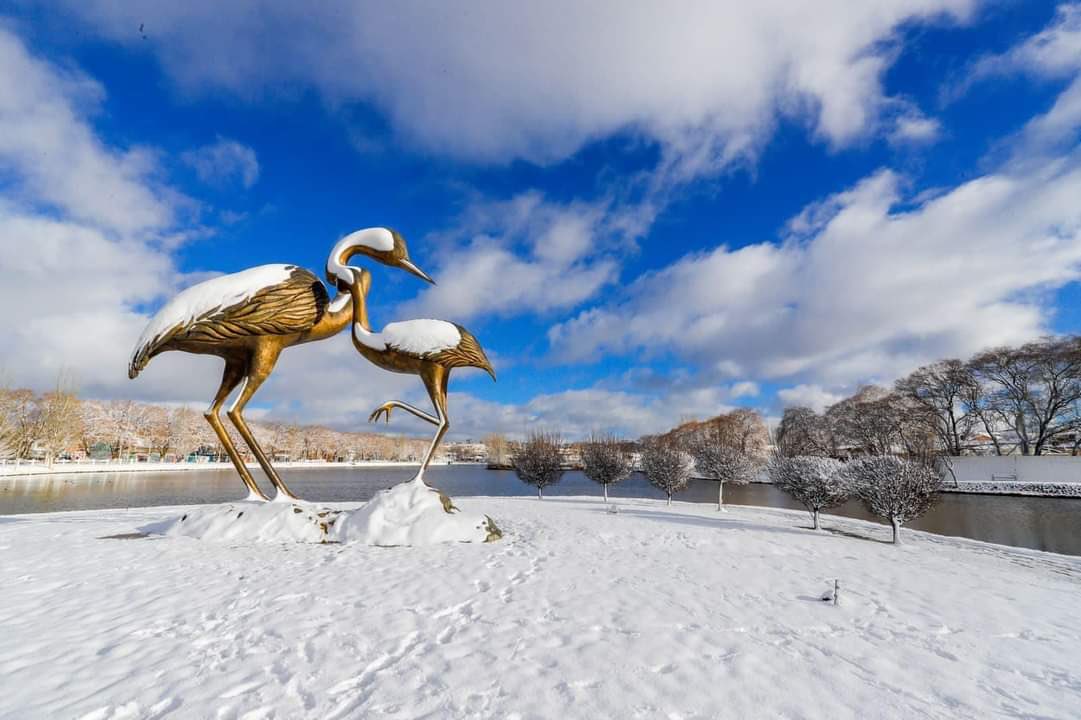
[429, 349]
[410, 513]
[249, 317]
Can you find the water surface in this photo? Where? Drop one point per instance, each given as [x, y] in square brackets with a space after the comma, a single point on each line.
[1052, 524]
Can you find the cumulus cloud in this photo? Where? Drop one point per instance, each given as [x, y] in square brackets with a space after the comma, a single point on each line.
[526, 254]
[813, 396]
[578, 413]
[1054, 51]
[81, 228]
[868, 284]
[223, 163]
[53, 161]
[915, 128]
[86, 248]
[494, 82]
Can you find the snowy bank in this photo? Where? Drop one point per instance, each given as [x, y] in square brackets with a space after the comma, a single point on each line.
[1005, 487]
[575, 613]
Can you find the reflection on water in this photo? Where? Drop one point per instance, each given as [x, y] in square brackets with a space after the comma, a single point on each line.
[1052, 524]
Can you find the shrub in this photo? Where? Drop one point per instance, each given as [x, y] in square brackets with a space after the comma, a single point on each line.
[666, 466]
[816, 482]
[894, 489]
[539, 461]
[604, 461]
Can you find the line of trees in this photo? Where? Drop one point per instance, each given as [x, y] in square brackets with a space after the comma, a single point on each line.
[729, 448]
[1024, 400]
[58, 424]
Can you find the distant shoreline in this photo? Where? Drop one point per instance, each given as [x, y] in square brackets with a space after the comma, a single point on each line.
[33, 470]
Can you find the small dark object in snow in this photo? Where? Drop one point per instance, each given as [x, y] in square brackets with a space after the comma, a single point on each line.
[183, 518]
[831, 596]
[239, 514]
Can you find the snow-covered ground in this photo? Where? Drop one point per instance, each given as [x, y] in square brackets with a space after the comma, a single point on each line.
[653, 612]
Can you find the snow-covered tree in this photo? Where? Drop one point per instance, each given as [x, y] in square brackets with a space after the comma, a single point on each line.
[818, 483]
[666, 466]
[58, 422]
[605, 461]
[894, 489]
[16, 422]
[539, 461]
[715, 458]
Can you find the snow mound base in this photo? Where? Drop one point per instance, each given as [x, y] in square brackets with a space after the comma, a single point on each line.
[407, 514]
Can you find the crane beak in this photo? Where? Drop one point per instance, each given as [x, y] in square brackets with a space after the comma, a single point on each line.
[407, 264]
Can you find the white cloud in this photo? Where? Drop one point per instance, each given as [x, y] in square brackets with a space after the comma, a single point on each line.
[1054, 51]
[862, 290]
[812, 396]
[224, 162]
[915, 129]
[54, 158]
[526, 254]
[538, 81]
[81, 227]
[746, 388]
[578, 413]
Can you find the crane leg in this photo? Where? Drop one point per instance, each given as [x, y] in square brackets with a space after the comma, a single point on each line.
[435, 381]
[388, 406]
[260, 368]
[234, 373]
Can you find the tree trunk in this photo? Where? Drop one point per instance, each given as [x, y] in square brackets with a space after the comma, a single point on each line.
[606, 492]
[669, 498]
[540, 492]
[814, 514]
[896, 530]
[720, 495]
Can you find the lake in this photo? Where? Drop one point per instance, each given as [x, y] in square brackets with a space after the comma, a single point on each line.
[1052, 524]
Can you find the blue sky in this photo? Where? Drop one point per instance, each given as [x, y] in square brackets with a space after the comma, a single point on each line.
[645, 215]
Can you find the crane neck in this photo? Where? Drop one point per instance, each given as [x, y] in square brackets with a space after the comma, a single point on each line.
[360, 309]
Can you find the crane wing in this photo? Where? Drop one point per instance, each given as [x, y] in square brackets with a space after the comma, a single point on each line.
[271, 300]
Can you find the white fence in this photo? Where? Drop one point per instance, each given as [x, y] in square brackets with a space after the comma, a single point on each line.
[1018, 468]
[1018, 474]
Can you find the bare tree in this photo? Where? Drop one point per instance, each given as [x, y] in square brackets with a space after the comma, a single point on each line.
[58, 422]
[8, 427]
[21, 421]
[1031, 390]
[498, 449]
[157, 429]
[802, 431]
[941, 391]
[894, 489]
[605, 461]
[816, 482]
[666, 466]
[188, 431]
[539, 461]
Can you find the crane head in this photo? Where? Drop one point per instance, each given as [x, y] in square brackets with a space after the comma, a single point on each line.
[381, 244]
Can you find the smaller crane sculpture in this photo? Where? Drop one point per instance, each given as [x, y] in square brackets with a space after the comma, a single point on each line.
[429, 349]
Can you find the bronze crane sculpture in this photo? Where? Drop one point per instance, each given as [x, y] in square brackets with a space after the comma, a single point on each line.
[248, 318]
[427, 348]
